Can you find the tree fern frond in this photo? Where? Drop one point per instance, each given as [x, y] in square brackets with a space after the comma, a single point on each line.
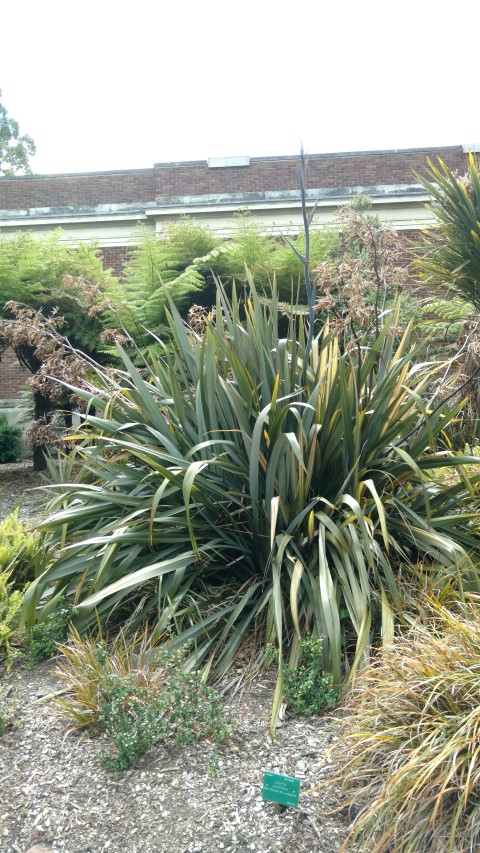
[454, 310]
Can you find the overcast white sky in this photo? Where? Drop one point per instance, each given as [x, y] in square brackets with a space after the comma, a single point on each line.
[112, 85]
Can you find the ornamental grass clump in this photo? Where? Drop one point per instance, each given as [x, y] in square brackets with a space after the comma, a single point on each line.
[409, 751]
[251, 483]
[85, 663]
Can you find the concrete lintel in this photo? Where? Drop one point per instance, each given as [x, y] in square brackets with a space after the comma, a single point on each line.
[29, 219]
[328, 197]
[75, 210]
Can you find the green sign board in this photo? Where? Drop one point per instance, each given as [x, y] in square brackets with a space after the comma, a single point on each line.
[281, 789]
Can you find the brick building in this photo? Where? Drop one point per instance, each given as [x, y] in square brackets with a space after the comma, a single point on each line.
[115, 207]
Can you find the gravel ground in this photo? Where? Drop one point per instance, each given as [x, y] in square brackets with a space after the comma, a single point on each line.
[20, 486]
[56, 793]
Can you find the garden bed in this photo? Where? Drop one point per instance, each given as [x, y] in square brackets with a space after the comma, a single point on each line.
[55, 790]
[204, 797]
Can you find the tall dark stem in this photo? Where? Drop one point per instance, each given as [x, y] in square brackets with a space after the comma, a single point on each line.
[309, 286]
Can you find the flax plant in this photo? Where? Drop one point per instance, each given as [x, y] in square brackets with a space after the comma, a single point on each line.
[234, 486]
[449, 256]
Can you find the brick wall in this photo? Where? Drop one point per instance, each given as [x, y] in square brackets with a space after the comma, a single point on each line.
[12, 376]
[264, 174]
[281, 173]
[115, 258]
[77, 190]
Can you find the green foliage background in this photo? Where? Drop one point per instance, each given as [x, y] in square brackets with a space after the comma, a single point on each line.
[15, 148]
[188, 260]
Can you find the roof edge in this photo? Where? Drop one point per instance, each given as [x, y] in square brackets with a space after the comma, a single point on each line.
[380, 151]
[275, 159]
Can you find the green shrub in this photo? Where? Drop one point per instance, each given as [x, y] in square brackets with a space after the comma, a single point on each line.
[10, 605]
[249, 251]
[20, 550]
[130, 715]
[43, 638]
[409, 753]
[136, 717]
[137, 694]
[307, 688]
[21, 556]
[186, 261]
[162, 267]
[11, 444]
[236, 487]
[49, 273]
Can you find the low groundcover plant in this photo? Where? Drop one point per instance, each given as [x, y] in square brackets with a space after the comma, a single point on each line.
[308, 689]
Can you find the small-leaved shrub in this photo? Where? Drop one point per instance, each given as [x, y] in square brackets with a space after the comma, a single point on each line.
[130, 714]
[44, 637]
[136, 717]
[10, 441]
[137, 694]
[308, 689]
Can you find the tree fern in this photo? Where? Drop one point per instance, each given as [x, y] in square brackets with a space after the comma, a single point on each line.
[47, 273]
[162, 265]
[267, 255]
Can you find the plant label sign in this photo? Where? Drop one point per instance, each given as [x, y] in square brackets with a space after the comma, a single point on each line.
[281, 789]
